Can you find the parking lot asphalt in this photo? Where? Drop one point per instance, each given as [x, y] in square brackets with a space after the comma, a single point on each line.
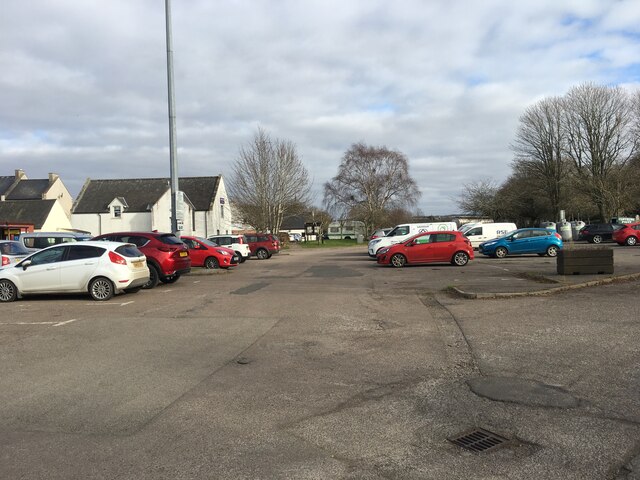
[321, 364]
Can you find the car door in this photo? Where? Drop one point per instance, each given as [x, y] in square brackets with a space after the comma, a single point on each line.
[539, 241]
[443, 247]
[197, 251]
[419, 249]
[43, 272]
[79, 266]
[520, 242]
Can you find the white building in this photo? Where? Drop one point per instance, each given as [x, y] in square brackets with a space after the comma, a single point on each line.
[144, 204]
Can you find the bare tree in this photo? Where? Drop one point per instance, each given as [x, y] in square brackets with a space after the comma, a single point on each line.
[600, 141]
[479, 198]
[539, 148]
[268, 182]
[370, 181]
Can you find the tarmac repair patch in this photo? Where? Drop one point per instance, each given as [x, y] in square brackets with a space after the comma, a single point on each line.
[522, 391]
[249, 289]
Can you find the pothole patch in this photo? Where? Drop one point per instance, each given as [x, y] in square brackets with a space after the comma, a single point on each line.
[522, 391]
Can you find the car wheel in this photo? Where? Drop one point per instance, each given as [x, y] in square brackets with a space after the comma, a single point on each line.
[596, 239]
[8, 291]
[460, 259]
[211, 262]
[552, 251]
[241, 259]
[170, 279]
[262, 254]
[133, 289]
[398, 260]
[154, 278]
[101, 289]
[501, 252]
[631, 241]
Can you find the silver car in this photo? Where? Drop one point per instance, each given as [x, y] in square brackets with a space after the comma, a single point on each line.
[12, 251]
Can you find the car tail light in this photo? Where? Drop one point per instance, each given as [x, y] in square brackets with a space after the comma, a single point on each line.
[163, 248]
[115, 258]
[176, 253]
[558, 236]
[5, 261]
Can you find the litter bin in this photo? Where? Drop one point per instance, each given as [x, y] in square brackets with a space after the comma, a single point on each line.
[359, 238]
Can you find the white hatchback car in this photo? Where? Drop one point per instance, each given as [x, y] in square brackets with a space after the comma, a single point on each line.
[237, 243]
[99, 268]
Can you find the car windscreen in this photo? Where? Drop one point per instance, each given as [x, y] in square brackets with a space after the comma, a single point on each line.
[170, 239]
[208, 243]
[398, 231]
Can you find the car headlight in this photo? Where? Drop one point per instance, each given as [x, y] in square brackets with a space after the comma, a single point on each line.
[373, 242]
[222, 252]
[383, 250]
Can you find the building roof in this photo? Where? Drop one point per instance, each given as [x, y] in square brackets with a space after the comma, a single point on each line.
[142, 193]
[26, 211]
[293, 222]
[29, 189]
[5, 184]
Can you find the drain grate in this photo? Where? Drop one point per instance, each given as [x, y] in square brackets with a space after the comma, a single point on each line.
[478, 440]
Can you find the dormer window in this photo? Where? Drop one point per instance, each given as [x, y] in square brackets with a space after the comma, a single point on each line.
[117, 211]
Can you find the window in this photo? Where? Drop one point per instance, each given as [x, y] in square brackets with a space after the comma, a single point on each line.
[84, 251]
[221, 211]
[117, 211]
[48, 256]
[334, 229]
[444, 237]
[474, 231]
[404, 230]
[422, 240]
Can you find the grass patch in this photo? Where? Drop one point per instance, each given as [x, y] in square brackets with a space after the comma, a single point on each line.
[331, 244]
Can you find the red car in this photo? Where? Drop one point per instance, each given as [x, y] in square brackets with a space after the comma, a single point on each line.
[207, 254]
[167, 256]
[428, 247]
[262, 245]
[629, 234]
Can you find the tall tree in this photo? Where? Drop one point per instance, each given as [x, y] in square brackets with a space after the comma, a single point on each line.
[370, 181]
[480, 198]
[268, 181]
[600, 141]
[539, 148]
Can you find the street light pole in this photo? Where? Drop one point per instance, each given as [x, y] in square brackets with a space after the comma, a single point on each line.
[173, 150]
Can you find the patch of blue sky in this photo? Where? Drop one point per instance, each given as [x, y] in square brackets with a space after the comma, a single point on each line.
[571, 20]
[383, 107]
[476, 80]
[627, 74]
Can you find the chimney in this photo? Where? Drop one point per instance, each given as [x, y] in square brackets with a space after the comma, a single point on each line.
[52, 177]
[20, 175]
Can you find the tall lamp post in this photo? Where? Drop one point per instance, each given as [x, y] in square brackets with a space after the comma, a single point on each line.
[173, 150]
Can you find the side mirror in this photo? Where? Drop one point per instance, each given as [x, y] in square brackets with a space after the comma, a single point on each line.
[25, 264]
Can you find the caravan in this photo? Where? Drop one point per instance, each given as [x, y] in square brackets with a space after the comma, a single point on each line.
[406, 230]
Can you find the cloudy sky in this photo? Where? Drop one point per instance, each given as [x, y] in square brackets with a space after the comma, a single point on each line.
[83, 86]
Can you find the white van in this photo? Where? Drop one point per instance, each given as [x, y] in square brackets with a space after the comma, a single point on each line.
[406, 230]
[488, 231]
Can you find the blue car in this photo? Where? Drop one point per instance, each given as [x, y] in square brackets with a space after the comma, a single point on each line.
[524, 240]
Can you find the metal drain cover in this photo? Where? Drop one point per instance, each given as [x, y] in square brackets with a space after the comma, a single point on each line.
[478, 440]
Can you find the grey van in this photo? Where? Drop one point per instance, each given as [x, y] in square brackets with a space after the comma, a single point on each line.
[37, 240]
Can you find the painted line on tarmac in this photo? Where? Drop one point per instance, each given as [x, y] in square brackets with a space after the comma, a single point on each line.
[127, 303]
[59, 324]
[28, 323]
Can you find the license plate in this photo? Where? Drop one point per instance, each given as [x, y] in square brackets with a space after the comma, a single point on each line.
[234, 259]
[138, 264]
[183, 254]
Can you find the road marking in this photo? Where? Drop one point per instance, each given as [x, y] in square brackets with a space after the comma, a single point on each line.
[27, 323]
[126, 303]
[64, 323]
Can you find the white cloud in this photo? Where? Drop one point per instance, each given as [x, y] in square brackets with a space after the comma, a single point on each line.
[84, 83]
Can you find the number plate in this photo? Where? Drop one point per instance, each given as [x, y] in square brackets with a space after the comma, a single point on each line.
[184, 254]
[234, 259]
[139, 264]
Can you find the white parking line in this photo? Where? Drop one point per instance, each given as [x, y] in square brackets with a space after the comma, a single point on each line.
[126, 303]
[64, 323]
[28, 323]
